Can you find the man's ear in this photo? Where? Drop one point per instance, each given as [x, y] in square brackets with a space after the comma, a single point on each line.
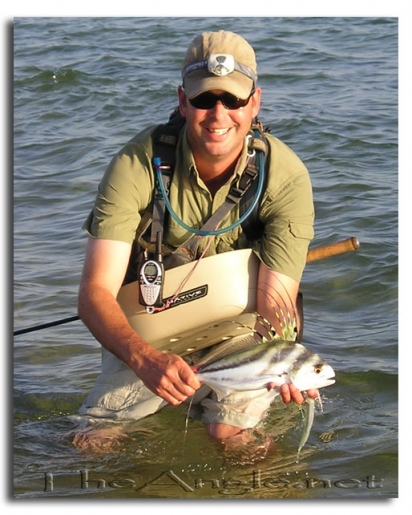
[182, 101]
[256, 101]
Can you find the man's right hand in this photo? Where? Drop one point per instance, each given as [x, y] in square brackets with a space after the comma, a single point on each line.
[166, 375]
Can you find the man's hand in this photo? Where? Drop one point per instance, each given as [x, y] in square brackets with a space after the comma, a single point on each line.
[168, 376]
[289, 393]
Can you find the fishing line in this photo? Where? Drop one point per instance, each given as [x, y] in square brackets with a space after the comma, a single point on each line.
[187, 422]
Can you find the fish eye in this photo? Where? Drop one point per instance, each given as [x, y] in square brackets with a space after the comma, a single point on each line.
[318, 369]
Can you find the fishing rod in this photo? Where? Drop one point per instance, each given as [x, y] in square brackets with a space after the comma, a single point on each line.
[45, 326]
[315, 254]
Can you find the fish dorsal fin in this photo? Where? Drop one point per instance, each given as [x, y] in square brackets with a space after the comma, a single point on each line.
[244, 341]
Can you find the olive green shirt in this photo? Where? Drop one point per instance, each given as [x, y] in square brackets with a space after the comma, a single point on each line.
[286, 208]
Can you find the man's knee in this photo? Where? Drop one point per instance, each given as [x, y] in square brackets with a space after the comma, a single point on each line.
[222, 431]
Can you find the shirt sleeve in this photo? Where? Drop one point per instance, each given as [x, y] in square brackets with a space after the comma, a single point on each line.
[123, 195]
[287, 212]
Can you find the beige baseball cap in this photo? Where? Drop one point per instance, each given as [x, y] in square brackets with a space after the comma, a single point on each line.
[219, 60]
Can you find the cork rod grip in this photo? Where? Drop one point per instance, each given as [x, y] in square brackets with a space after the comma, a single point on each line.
[333, 249]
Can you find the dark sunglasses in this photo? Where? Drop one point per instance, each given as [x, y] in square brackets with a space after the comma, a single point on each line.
[208, 100]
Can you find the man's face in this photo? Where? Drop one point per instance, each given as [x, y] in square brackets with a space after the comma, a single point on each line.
[218, 134]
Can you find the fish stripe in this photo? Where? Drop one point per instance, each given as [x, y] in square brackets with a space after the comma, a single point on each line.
[233, 361]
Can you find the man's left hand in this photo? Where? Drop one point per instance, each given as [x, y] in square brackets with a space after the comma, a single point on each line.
[289, 393]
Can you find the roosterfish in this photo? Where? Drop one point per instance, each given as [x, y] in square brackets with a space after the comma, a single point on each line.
[244, 363]
[268, 364]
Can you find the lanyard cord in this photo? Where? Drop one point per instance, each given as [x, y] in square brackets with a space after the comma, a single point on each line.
[189, 275]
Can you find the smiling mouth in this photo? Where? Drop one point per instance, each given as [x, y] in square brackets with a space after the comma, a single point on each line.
[219, 132]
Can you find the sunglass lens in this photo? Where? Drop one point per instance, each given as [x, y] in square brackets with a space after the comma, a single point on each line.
[204, 101]
[232, 102]
[208, 100]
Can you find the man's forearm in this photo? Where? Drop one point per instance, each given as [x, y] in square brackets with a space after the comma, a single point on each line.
[166, 375]
[104, 318]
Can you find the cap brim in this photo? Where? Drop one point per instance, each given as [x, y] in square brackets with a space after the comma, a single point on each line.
[200, 81]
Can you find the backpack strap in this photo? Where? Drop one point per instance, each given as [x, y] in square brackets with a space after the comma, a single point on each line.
[165, 139]
[252, 226]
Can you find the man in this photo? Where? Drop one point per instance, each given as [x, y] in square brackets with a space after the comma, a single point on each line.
[219, 98]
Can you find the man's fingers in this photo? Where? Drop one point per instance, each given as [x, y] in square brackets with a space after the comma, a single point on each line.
[285, 393]
[188, 377]
[289, 393]
[171, 394]
[313, 394]
[178, 383]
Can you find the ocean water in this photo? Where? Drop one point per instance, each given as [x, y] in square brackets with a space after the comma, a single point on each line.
[85, 86]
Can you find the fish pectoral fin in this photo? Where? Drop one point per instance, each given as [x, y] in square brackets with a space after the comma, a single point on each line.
[308, 412]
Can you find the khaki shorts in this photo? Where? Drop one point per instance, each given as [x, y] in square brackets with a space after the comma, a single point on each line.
[119, 395]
